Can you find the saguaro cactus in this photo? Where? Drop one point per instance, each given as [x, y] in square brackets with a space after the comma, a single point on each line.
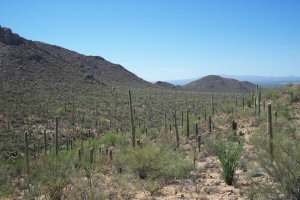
[26, 152]
[176, 129]
[45, 143]
[182, 118]
[255, 106]
[227, 108]
[110, 154]
[166, 126]
[243, 103]
[81, 140]
[196, 129]
[187, 124]
[56, 136]
[205, 115]
[258, 100]
[131, 119]
[276, 116]
[79, 154]
[209, 123]
[270, 130]
[91, 155]
[292, 97]
[199, 142]
[212, 104]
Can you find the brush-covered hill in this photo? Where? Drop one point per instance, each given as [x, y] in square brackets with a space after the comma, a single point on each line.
[44, 64]
[214, 83]
[167, 85]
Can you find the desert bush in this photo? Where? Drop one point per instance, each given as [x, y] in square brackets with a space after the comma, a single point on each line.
[6, 190]
[229, 153]
[5, 187]
[50, 175]
[112, 139]
[284, 166]
[109, 139]
[285, 111]
[153, 162]
[248, 102]
[274, 94]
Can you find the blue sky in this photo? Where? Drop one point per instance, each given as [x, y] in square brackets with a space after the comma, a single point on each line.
[169, 39]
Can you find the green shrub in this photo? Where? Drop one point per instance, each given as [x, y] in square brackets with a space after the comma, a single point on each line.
[284, 167]
[50, 175]
[111, 139]
[5, 190]
[248, 102]
[285, 111]
[153, 162]
[273, 94]
[229, 154]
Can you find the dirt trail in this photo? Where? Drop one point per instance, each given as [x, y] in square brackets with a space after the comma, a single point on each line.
[205, 182]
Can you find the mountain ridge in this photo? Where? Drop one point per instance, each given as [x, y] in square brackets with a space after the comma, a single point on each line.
[55, 64]
[47, 65]
[214, 83]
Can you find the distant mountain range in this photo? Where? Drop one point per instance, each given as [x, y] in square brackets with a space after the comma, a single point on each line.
[266, 81]
[46, 65]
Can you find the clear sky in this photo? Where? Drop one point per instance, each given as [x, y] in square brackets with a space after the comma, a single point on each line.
[169, 39]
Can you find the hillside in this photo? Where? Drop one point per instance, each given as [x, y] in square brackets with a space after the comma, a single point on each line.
[42, 63]
[214, 83]
[167, 85]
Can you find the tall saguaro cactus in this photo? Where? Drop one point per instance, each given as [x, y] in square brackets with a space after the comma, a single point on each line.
[182, 118]
[166, 126]
[270, 130]
[205, 115]
[196, 129]
[132, 120]
[212, 104]
[187, 124]
[176, 129]
[91, 155]
[45, 143]
[255, 107]
[259, 99]
[209, 123]
[56, 136]
[26, 152]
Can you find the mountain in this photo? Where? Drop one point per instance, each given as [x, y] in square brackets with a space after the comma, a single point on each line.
[213, 83]
[31, 61]
[167, 85]
[267, 81]
[264, 81]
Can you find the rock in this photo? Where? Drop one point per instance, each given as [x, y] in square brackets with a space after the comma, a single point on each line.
[168, 190]
[203, 198]
[9, 38]
[258, 174]
[181, 195]
[241, 133]
[90, 77]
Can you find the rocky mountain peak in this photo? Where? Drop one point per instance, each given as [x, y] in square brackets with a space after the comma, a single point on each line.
[9, 38]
